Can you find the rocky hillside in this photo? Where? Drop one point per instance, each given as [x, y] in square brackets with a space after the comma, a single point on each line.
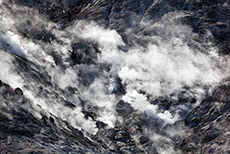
[100, 76]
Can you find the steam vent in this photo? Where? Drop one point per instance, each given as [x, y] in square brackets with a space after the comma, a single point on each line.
[114, 77]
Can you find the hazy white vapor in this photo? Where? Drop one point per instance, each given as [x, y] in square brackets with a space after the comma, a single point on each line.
[7, 73]
[139, 102]
[164, 66]
[12, 41]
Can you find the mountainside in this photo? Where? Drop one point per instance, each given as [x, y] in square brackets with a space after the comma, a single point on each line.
[100, 76]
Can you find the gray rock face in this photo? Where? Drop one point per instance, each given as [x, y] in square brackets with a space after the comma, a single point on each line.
[209, 123]
[21, 132]
[73, 118]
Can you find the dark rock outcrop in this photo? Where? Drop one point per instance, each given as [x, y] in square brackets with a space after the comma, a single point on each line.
[209, 122]
[22, 132]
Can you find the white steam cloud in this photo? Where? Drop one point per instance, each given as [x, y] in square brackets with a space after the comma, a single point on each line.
[164, 66]
[7, 73]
